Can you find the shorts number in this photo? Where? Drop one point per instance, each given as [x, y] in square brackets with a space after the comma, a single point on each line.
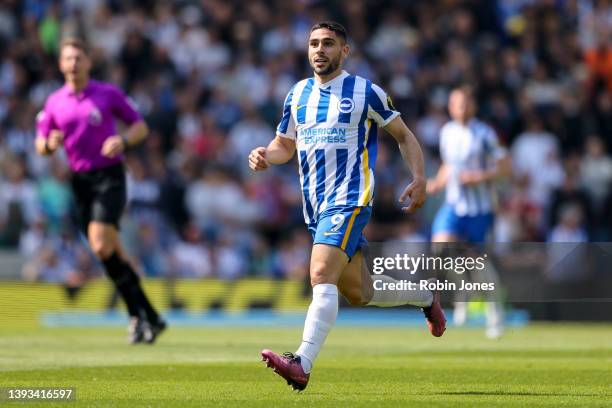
[337, 220]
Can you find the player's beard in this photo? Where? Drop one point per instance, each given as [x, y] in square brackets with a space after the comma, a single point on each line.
[331, 67]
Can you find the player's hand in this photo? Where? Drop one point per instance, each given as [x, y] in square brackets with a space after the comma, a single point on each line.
[416, 192]
[55, 140]
[471, 177]
[113, 146]
[257, 159]
[432, 187]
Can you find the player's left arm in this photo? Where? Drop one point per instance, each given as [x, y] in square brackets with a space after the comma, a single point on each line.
[500, 169]
[117, 144]
[382, 111]
[136, 130]
[413, 156]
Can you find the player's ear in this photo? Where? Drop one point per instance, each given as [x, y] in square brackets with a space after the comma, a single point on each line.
[60, 65]
[345, 49]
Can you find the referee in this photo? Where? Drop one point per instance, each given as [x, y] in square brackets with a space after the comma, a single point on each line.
[80, 116]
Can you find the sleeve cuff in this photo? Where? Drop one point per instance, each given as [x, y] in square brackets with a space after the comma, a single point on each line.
[286, 136]
[389, 119]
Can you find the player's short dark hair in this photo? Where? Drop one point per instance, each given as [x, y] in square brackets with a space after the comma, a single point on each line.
[75, 42]
[466, 89]
[332, 26]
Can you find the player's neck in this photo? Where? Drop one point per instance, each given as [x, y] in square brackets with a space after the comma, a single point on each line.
[322, 79]
[78, 85]
[465, 121]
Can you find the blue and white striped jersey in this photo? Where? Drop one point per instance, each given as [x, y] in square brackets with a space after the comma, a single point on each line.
[334, 125]
[473, 146]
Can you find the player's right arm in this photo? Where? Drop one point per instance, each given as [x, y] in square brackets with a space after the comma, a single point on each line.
[439, 181]
[279, 151]
[48, 136]
[282, 148]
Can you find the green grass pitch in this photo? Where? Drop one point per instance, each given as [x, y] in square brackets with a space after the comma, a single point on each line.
[539, 365]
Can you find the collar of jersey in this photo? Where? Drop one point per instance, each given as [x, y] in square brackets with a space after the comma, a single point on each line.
[82, 92]
[473, 121]
[327, 84]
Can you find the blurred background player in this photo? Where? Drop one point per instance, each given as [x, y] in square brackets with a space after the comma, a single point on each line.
[332, 120]
[80, 116]
[472, 160]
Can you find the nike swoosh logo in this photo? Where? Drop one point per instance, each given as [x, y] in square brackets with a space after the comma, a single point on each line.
[300, 107]
[327, 234]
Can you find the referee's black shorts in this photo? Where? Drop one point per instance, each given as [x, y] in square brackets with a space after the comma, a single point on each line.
[100, 195]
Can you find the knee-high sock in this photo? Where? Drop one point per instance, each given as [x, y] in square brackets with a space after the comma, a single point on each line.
[128, 285]
[114, 269]
[319, 321]
[494, 308]
[140, 296]
[389, 298]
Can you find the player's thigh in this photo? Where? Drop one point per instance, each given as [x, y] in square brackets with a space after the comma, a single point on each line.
[110, 196]
[326, 264]
[355, 283]
[83, 199]
[342, 227]
[338, 231]
[106, 210]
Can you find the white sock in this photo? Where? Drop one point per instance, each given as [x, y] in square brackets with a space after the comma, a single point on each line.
[460, 313]
[389, 298]
[319, 321]
[495, 314]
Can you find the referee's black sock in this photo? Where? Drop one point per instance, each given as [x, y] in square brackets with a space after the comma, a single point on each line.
[123, 282]
[140, 296]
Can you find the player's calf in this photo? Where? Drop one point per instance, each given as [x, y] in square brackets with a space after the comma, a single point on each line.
[355, 283]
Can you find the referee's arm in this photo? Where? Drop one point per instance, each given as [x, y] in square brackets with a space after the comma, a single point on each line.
[133, 135]
[47, 145]
[136, 133]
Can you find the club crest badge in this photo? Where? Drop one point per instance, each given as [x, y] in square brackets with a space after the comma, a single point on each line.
[346, 105]
[95, 117]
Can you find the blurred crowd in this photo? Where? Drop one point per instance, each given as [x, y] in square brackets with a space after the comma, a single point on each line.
[210, 77]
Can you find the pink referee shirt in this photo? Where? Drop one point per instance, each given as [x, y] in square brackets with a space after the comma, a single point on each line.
[87, 119]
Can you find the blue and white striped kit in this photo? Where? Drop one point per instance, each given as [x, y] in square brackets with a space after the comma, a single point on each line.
[334, 125]
[473, 146]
